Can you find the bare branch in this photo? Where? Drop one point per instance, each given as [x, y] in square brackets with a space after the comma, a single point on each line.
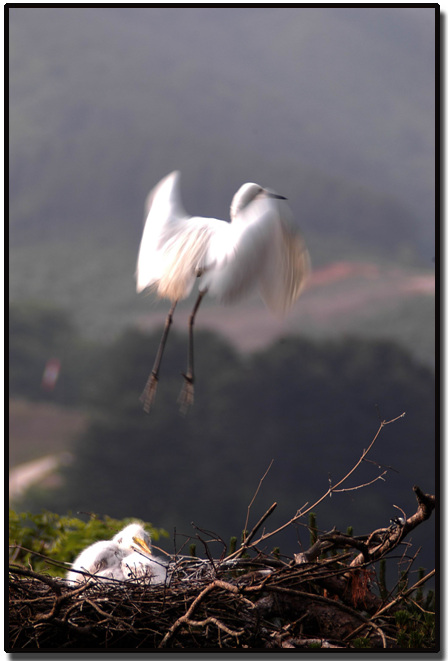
[394, 535]
[302, 512]
[361, 486]
[184, 619]
[246, 525]
[253, 531]
[375, 463]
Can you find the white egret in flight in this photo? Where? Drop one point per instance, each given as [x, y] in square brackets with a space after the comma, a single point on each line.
[124, 556]
[261, 248]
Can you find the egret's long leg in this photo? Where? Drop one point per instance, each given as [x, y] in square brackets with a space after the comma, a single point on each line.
[149, 392]
[187, 394]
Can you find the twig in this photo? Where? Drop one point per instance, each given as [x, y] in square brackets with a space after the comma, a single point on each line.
[50, 561]
[391, 604]
[401, 510]
[216, 622]
[51, 582]
[333, 539]
[302, 512]
[360, 486]
[426, 504]
[405, 593]
[334, 604]
[255, 495]
[185, 618]
[253, 531]
[375, 463]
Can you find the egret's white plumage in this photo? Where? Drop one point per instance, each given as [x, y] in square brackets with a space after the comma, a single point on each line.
[108, 559]
[261, 248]
[101, 559]
[137, 565]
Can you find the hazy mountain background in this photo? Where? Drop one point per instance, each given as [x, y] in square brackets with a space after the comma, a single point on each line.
[332, 107]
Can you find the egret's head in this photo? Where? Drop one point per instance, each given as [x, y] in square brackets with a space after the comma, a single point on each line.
[135, 537]
[247, 194]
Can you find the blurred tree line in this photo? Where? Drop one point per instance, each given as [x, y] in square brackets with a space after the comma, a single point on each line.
[311, 407]
[38, 333]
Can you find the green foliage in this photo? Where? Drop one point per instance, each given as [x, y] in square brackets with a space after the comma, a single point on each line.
[362, 642]
[403, 582]
[382, 579]
[416, 628]
[232, 545]
[312, 527]
[416, 621]
[59, 538]
[419, 595]
[429, 602]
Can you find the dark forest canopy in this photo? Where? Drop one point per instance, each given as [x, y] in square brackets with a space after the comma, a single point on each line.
[310, 407]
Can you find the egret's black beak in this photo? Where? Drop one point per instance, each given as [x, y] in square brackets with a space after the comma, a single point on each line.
[270, 193]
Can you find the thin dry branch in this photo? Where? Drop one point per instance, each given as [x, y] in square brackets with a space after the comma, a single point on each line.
[232, 604]
[259, 601]
[246, 525]
[186, 619]
[360, 486]
[390, 537]
[257, 526]
[402, 596]
[333, 488]
[405, 593]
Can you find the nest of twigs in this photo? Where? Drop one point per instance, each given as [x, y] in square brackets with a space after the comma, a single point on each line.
[324, 597]
[259, 603]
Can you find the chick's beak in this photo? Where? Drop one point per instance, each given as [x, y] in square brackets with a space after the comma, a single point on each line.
[143, 545]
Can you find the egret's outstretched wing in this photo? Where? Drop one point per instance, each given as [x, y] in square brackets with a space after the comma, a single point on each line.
[286, 269]
[164, 214]
[174, 245]
[262, 249]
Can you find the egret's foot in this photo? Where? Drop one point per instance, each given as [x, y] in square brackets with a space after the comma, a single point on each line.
[186, 397]
[149, 393]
